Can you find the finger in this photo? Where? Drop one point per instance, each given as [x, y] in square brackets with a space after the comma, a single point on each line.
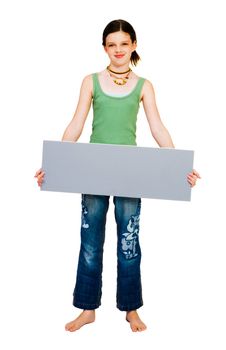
[191, 177]
[194, 177]
[40, 179]
[191, 182]
[40, 183]
[196, 173]
[38, 172]
[41, 175]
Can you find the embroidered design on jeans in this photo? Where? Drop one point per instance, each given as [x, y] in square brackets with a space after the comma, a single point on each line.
[84, 213]
[130, 240]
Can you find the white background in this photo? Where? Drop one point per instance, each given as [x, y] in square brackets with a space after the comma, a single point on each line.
[47, 47]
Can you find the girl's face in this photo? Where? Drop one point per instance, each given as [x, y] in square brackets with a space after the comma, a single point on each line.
[119, 48]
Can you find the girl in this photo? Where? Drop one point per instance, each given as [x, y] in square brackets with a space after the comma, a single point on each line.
[116, 93]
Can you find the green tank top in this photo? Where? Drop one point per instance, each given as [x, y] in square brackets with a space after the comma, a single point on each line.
[114, 117]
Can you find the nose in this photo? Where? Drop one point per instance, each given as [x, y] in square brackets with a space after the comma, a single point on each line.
[118, 49]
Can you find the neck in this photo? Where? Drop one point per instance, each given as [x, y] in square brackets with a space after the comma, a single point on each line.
[119, 68]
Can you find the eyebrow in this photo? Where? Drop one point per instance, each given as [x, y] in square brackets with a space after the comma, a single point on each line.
[124, 41]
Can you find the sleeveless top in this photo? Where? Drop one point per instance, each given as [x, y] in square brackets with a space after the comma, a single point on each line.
[114, 117]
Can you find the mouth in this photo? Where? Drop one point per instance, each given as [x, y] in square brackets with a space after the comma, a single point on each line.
[119, 56]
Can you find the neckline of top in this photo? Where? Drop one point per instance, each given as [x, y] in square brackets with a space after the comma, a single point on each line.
[119, 97]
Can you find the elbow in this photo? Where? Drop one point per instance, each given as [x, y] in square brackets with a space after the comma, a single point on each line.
[158, 131]
[72, 134]
[162, 137]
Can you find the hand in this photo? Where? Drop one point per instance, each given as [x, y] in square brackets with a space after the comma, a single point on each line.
[40, 177]
[192, 177]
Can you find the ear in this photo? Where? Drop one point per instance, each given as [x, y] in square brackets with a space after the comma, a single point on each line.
[105, 48]
[134, 45]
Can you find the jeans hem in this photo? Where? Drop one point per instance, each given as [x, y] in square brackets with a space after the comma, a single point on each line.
[86, 306]
[129, 307]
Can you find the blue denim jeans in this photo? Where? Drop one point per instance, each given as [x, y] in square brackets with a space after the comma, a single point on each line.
[88, 287]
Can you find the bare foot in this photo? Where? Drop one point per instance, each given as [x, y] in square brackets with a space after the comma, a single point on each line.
[135, 322]
[87, 316]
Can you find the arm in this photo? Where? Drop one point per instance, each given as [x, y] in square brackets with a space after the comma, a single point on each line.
[75, 127]
[158, 130]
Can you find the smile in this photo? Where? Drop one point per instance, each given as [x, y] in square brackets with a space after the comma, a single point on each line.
[119, 56]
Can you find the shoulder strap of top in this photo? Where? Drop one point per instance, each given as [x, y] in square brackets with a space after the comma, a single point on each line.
[139, 86]
[95, 83]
